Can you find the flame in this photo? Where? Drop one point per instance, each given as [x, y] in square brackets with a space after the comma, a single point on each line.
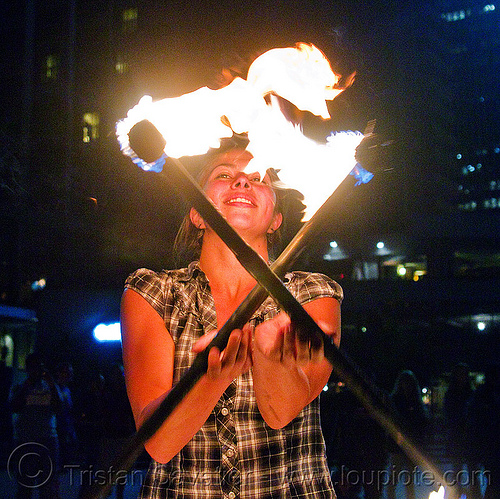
[301, 75]
[314, 169]
[437, 495]
[193, 123]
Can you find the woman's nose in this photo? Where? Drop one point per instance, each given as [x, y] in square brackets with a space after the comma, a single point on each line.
[241, 180]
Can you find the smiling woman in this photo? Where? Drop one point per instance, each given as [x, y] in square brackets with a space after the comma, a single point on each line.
[260, 394]
[246, 202]
[288, 202]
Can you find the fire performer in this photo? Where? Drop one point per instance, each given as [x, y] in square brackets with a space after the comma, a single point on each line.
[250, 427]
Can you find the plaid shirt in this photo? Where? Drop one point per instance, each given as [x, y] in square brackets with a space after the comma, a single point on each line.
[235, 454]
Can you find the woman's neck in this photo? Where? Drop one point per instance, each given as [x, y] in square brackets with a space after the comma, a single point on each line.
[223, 270]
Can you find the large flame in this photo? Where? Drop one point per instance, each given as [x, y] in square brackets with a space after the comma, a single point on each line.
[193, 123]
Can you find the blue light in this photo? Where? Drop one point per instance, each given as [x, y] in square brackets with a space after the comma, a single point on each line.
[107, 332]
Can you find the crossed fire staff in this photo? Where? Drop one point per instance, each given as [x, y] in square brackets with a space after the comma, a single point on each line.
[269, 283]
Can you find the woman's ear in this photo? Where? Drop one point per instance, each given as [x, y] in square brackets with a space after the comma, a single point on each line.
[276, 223]
[196, 219]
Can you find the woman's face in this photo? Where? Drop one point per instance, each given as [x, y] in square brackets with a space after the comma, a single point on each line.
[244, 199]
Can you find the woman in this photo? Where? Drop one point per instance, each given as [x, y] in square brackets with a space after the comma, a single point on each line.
[250, 426]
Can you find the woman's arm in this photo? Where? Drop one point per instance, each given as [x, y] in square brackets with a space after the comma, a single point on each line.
[286, 378]
[148, 358]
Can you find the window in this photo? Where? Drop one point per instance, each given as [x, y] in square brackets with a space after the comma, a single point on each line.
[90, 127]
[121, 64]
[51, 67]
[129, 19]
[457, 15]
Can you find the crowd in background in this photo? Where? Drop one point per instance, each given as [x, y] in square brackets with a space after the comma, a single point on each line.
[457, 429]
[85, 424]
[51, 422]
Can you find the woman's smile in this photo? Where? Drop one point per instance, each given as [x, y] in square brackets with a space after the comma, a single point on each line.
[240, 200]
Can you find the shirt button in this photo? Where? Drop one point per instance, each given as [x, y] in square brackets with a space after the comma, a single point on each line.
[231, 495]
[225, 411]
[230, 453]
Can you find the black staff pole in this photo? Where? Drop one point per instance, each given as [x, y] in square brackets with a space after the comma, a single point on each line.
[268, 283]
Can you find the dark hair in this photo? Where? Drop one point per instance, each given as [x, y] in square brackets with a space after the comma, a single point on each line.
[187, 245]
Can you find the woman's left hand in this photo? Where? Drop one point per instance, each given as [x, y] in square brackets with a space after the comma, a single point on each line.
[289, 370]
[278, 340]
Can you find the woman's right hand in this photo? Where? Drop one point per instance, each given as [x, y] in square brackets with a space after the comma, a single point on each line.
[234, 360]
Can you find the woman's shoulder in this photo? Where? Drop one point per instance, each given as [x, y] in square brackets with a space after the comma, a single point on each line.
[159, 288]
[312, 285]
[144, 277]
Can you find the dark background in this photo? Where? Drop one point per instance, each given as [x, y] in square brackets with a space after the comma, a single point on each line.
[83, 217]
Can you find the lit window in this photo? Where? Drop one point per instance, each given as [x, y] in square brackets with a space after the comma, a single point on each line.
[471, 206]
[121, 65]
[90, 127]
[51, 67]
[456, 16]
[129, 19]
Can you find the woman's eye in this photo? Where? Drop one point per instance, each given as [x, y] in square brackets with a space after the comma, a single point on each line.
[223, 175]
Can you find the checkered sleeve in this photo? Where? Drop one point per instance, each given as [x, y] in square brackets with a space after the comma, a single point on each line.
[151, 286]
[307, 287]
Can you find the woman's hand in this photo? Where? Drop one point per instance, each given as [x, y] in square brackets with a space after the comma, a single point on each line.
[234, 360]
[289, 370]
[279, 341]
